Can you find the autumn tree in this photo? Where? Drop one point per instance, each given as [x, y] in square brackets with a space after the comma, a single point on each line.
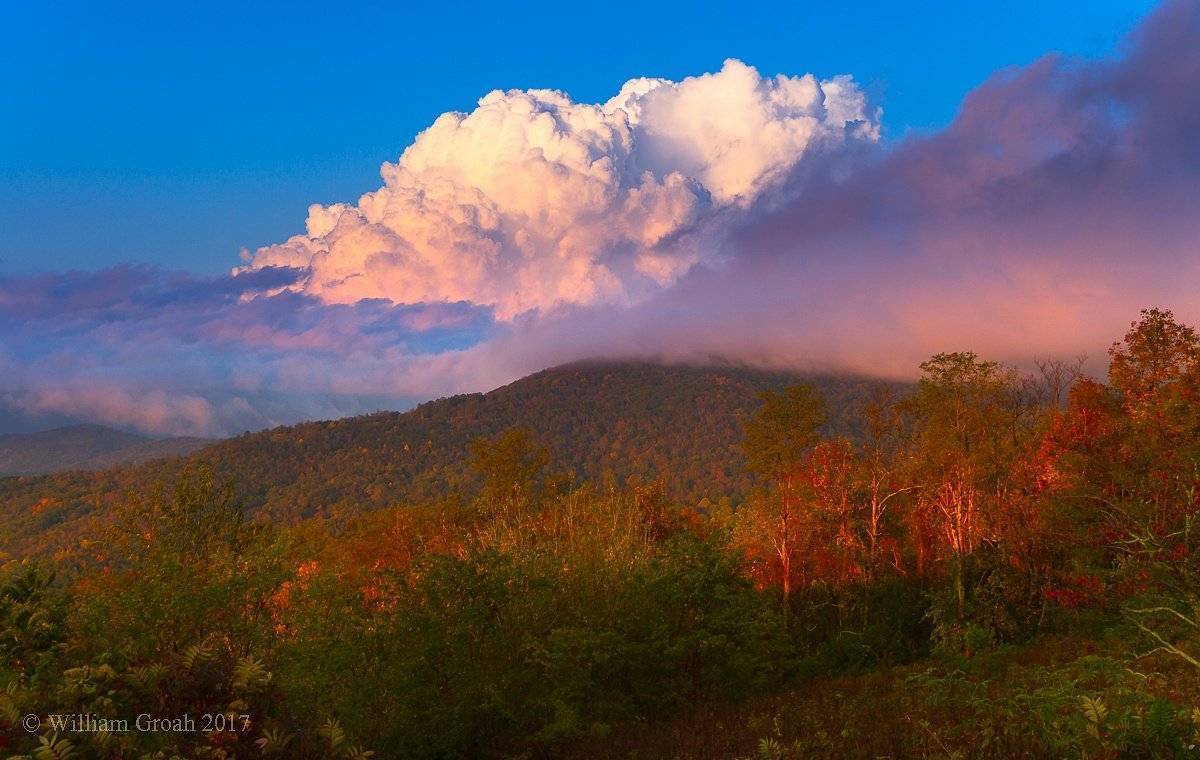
[844, 496]
[965, 437]
[189, 523]
[828, 512]
[1155, 371]
[1131, 448]
[1157, 355]
[882, 476]
[777, 438]
[511, 465]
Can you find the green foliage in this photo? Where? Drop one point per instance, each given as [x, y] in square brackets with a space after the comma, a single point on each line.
[551, 638]
[511, 465]
[967, 413]
[782, 429]
[32, 622]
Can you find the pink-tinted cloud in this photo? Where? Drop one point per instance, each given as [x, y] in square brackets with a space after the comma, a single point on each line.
[533, 200]
[1064, 197]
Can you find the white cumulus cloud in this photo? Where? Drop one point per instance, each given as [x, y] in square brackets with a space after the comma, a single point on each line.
[533, 200]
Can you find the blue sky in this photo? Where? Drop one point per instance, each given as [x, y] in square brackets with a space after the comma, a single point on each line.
[174, 134]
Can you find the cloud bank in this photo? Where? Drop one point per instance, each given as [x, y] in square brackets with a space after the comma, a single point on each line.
[730, 214]
[171, 353]
[533, 200]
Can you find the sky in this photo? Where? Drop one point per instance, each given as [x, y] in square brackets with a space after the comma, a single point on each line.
[223, 218]
[178, 133]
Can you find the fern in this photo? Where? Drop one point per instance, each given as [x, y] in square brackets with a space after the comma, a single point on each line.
[8, 704]
[53, 748]
[332, 732]
[1095, 711]
[1159, 721]
[196, 654]
[273, 741]
[250, 675]
[769, 749]
[145, 678]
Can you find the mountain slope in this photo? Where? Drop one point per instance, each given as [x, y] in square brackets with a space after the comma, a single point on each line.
[607, 422]
[84, 447]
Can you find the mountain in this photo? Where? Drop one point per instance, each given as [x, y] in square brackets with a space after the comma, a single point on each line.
[604, 421]
[85, 447]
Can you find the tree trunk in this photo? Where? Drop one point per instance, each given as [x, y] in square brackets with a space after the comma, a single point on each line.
[960, 590]
[785, 549]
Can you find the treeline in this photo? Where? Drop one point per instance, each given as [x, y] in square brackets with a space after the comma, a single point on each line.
[607, 423]
[980, 511]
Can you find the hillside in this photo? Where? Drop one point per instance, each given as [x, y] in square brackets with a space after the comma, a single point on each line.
[85, 447]
[605, 422]
[991, 573]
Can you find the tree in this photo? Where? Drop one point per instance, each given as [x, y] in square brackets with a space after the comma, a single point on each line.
[882, 474]
[782, 429]
[1155, 371]
[777, 438]
[829, 511]
[966, 436]
[189, 525]
[1156, 354]
[510, 465]
[182, 567]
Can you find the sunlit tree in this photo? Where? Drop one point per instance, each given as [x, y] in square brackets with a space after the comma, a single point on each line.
[511, 465]
[965, 437]
[777, 439]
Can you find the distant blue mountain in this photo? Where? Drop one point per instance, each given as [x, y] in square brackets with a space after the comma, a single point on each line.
[85, 447]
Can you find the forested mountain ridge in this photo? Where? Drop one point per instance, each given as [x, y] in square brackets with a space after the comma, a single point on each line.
[85, 447]
[602, 421]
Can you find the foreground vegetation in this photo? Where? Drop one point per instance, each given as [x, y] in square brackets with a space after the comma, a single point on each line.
[999, 565]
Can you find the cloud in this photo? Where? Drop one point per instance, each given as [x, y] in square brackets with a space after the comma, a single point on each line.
[173, 353]
[155, 410]
[756, 219]
[1060, 201]
[533, 200]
